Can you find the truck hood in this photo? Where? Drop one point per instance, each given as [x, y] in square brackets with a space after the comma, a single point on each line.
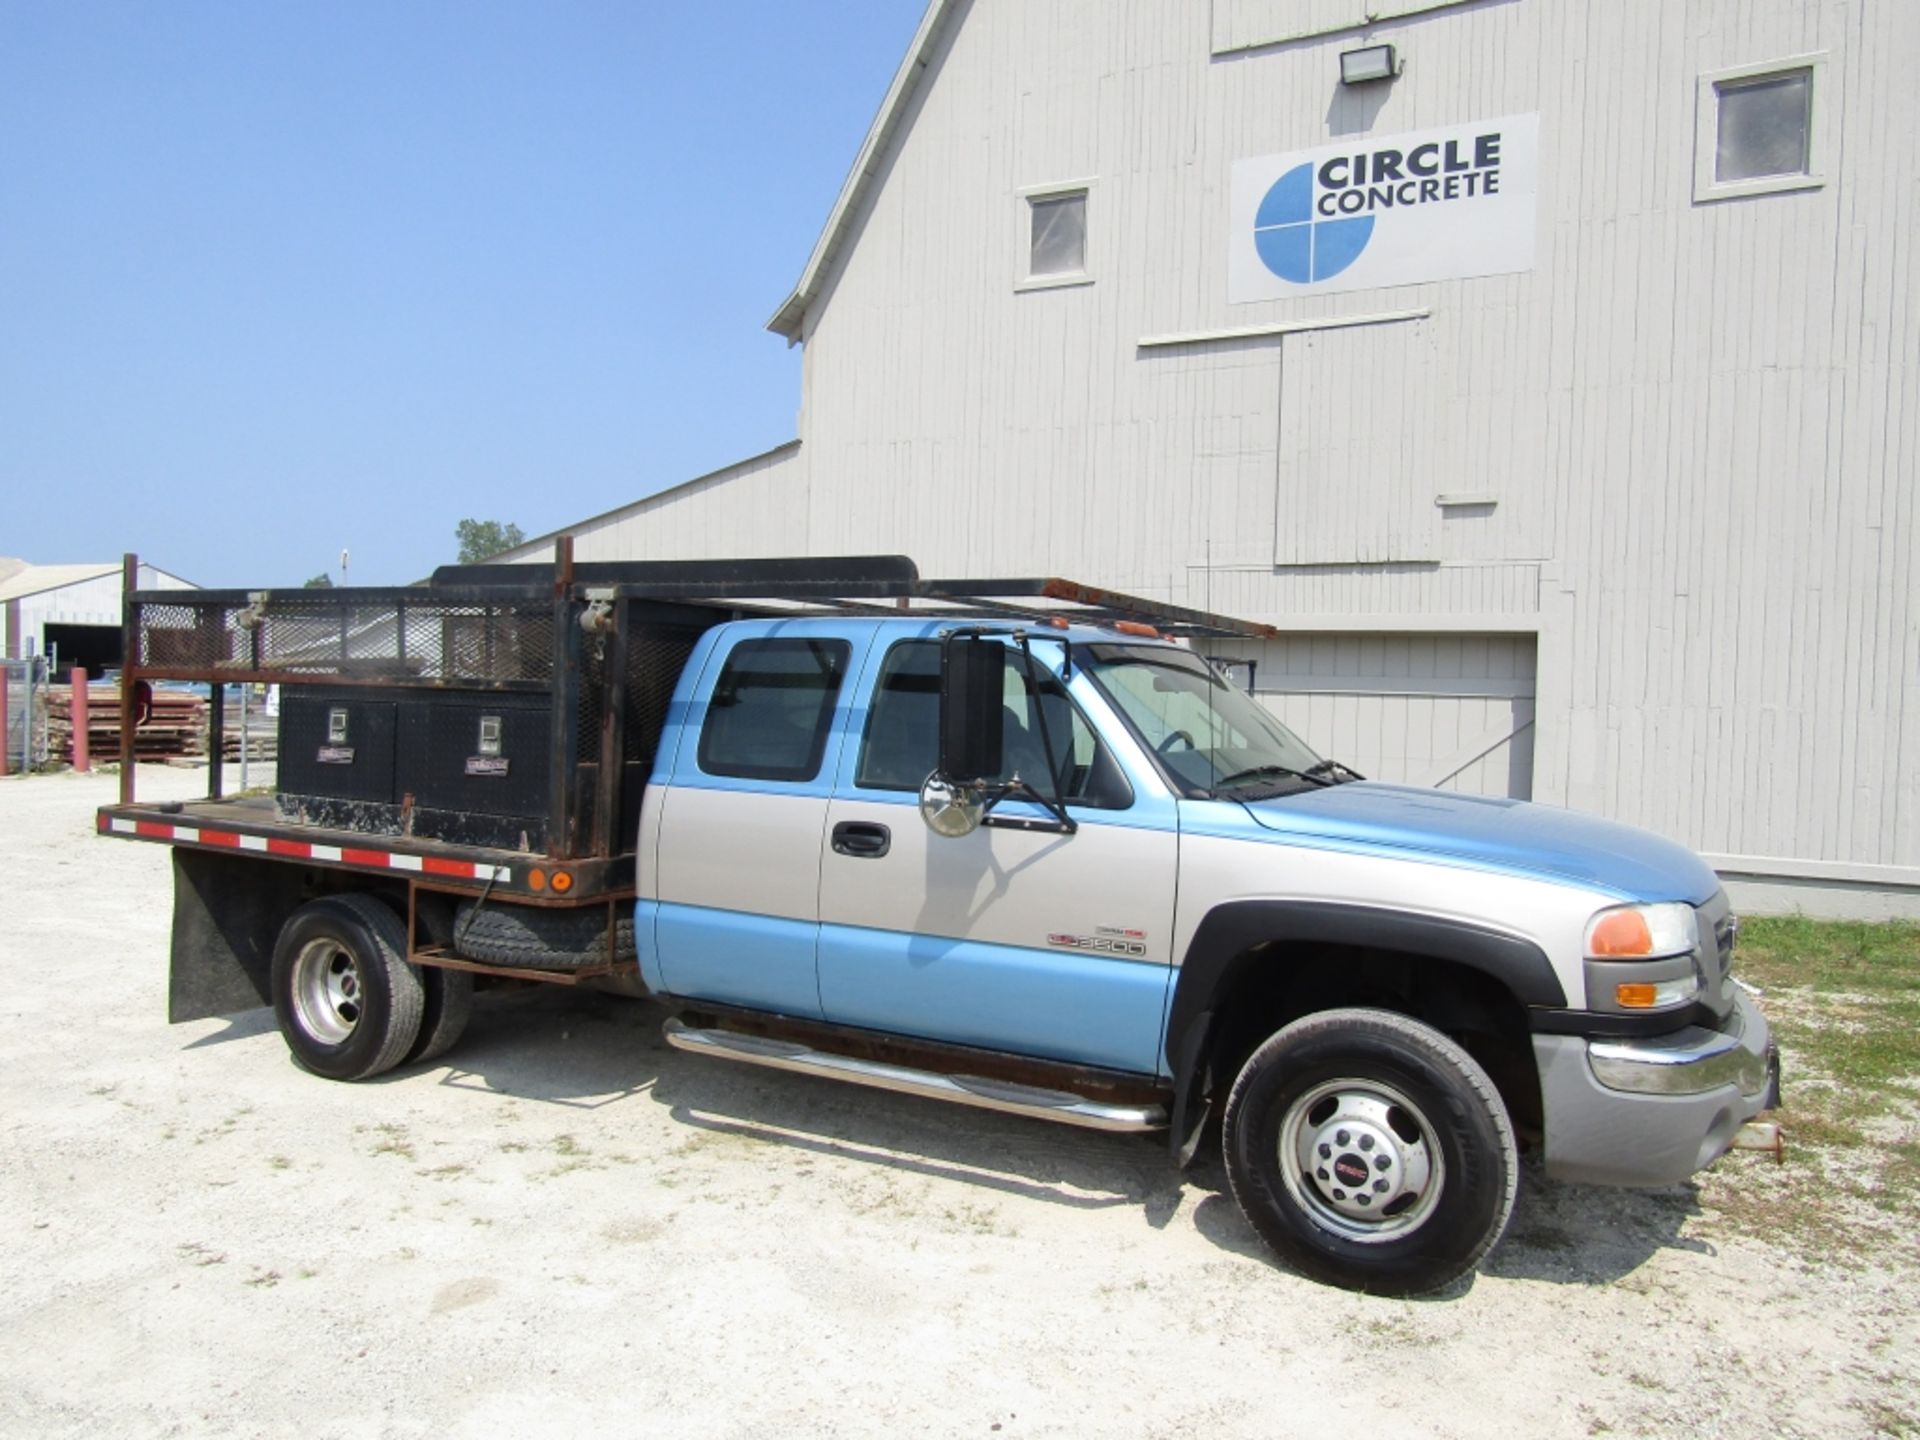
[1512, 835]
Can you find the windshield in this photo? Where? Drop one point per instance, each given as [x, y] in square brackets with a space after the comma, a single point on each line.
[1212, 737]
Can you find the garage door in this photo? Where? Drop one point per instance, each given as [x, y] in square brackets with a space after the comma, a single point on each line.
[1453, 711]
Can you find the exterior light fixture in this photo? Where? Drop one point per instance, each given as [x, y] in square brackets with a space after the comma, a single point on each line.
[1370, 63]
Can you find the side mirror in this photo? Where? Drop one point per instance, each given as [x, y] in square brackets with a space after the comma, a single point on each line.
[972, 692]
[950, 810]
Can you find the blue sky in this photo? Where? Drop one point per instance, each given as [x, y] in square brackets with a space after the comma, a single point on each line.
[279, 279]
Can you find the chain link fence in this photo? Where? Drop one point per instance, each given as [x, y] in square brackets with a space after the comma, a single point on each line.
[26, 718]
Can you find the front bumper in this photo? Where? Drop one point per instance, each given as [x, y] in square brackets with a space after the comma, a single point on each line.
[1652, 1112]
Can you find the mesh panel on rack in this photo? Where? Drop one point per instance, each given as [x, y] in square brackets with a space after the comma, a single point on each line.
[186, 635]
[656, 655]
[401, 640]
[593, 698]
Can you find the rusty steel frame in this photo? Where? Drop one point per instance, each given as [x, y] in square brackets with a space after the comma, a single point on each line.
[441, 958]
[564, 845]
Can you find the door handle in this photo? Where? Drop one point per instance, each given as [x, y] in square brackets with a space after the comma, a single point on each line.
[861, 839]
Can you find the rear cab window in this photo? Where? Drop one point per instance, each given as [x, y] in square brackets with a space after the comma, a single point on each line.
[771, 710]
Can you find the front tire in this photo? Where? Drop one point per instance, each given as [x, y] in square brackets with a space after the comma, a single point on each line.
[348, 1003]
[1371, 1152]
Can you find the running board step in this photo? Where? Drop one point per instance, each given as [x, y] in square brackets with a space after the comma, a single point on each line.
[1056, 1105]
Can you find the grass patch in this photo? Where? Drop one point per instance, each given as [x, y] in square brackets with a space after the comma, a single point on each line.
[393, 1141]
[1843, 998]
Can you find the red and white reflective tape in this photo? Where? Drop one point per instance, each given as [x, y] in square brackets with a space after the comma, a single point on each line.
[303, 850]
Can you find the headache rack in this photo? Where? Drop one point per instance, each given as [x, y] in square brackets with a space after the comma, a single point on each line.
[515, 709]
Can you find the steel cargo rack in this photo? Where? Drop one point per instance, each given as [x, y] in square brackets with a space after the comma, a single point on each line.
[487, 735]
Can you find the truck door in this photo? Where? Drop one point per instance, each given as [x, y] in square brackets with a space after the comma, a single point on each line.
[737, 867]
[1016, 937]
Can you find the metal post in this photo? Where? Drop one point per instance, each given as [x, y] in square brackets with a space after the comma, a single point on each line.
[77, 716]
[246, 706]
[216, 738]
[564, 757]
[26, 725]
[6, 765]
[129, 660]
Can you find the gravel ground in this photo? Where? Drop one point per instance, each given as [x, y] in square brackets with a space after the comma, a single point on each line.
[565, 1225]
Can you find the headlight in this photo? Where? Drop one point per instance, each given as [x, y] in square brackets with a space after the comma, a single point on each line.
[1643, 958]
[1643, 932]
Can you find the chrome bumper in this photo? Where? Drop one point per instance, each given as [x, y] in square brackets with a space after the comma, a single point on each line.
[1694, 1060]
[1652, 1112]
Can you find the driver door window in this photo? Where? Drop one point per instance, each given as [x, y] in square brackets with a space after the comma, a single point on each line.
[901, 745]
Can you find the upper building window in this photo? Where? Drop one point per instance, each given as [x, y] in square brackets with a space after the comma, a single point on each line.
[1758, 129]
[1059, 235]
[1054, 235]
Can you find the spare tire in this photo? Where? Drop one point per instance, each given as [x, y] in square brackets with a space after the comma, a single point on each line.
[535, 939]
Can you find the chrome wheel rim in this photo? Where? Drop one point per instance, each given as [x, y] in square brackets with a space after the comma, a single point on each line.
[329, 992]
[1362, 1159]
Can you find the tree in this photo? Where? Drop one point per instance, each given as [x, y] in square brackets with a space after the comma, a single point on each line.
[322, 581]
[481, 539]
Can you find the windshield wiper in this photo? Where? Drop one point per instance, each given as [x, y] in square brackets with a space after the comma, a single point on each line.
[1338, 772]
[1261, 772]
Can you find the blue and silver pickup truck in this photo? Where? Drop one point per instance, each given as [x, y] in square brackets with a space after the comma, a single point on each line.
[1015, 845]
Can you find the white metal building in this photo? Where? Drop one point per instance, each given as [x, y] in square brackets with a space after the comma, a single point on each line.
[73, 610]
[1555, 389]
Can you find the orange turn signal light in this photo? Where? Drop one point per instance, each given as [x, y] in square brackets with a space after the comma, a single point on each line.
[536, 879]
[562, 882]
[1636, 996]
[1620, 935]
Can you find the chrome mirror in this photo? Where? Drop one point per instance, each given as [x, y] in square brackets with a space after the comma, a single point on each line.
[950, 810]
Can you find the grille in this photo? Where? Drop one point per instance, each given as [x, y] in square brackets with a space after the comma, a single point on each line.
[312, 635]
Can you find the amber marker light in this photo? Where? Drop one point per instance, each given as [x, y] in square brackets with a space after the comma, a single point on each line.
[1636, 997]
[1134, 627]
[536, 879]
[562, 882]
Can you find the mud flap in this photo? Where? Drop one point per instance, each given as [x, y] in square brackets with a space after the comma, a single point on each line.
[227, 913]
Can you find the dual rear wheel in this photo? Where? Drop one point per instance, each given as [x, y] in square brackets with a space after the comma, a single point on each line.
[349, 1004]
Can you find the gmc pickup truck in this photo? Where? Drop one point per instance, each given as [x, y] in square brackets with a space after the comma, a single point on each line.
[1013, 844]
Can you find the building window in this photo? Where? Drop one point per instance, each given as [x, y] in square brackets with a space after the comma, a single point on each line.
[771, 709]
[1758, 130]
[1053, 239]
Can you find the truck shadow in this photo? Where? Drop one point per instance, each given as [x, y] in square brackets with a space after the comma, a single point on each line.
[587, 1051]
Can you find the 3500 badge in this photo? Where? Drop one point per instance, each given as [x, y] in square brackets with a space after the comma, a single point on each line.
[1098, 944]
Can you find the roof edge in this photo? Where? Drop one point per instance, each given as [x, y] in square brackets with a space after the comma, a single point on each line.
[787, 320]
[505, 556]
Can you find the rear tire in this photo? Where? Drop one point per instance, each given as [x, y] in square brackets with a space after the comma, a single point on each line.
[449, 1005]
[348, 1003]
[1371, 1152]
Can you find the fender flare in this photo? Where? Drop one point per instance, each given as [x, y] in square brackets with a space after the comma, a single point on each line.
[1218, 949]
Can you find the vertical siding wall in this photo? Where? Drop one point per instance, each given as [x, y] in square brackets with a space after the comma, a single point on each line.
[758, 507]
[1700, 421]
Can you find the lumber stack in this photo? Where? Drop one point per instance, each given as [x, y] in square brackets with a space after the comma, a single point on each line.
[177, 727]
[263, 732]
